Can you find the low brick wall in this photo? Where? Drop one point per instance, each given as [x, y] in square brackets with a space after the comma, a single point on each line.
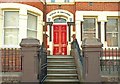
[11, 59]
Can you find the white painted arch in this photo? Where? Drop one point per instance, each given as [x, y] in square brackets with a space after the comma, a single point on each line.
[60, 13]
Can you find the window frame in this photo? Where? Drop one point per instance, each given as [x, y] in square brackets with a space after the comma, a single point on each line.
[28, 29]
[118, 31]
[96, 25]
[18, 27]
[10, 27]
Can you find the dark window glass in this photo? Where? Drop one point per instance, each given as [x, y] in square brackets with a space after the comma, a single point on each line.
[89, 28]
[59, 20]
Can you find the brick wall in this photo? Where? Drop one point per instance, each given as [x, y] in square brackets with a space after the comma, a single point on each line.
[81, 6]
[38, 5]
[34, 3]
[86, 6]
[98, 6]
[68, 7]
[11, 59]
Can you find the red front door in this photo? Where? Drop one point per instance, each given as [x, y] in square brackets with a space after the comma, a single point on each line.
[60, 39]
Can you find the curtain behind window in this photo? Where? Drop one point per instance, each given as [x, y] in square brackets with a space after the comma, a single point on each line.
[11, 30]
[89, 28]
[112, 32]
[32, 26]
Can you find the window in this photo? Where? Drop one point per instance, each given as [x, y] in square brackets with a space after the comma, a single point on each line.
[112, 32]
[32, 26]
[59, 20]
[57, 1]
[52, 0]
[11, 30]
[89, 28]
[66, 1]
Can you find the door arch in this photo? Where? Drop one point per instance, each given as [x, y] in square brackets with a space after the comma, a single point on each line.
[59, 44]
[60, 13]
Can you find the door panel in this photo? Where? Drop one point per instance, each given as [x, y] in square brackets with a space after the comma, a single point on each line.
[56, 50]
[64, 50]
[63, 38]
[56, 37]
[60, 40]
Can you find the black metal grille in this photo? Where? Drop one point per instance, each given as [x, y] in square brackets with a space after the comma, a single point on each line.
[42, 55]
[110, 62]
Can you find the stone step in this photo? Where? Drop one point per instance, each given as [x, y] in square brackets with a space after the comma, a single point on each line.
[61, 66]
[61, 71]
[59, 61]
[56, 65]
[62, 76]
[62, 81]
[58, 57]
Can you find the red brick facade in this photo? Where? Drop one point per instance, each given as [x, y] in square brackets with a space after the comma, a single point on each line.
[68, 7]
[85, 6]
[98, 6]
[81, 6]
[39, 5]
[77, 6]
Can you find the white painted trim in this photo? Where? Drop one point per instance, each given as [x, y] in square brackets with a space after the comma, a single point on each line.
[78, 31]
[1, 27]
[110, 58]
[102, 15]
[22, 23]
[119, 32]
[102, 33]
[40, 29]
[57, 13]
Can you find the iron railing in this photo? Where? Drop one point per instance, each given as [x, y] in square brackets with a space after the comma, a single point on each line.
[11, 59]
[75, 45]
[42, 56]
[109, 59]
[76, 53]
[110, 62]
